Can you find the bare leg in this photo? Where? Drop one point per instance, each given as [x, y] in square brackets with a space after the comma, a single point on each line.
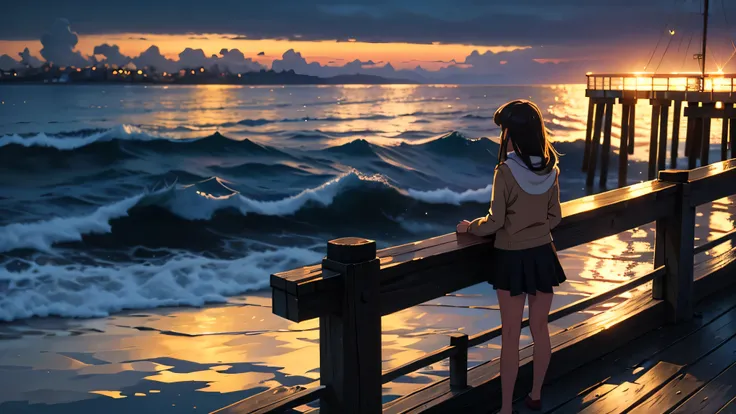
[539, 306]
[512, 309]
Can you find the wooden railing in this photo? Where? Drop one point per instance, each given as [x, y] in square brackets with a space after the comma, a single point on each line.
[673, 82]
[355, 285]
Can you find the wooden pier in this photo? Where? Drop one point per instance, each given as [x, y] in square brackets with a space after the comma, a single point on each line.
[649, 351]
[705, 97]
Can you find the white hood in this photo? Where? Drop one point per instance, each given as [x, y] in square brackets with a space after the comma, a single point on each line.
[530, 181]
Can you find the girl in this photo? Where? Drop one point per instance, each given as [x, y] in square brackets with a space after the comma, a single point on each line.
[525, 207]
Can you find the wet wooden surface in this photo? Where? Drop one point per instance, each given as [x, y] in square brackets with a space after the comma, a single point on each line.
[683, 368]
[414, 273]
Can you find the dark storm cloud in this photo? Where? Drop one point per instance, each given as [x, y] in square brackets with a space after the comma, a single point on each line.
[421, 21]
[59, 43]
[112, 54]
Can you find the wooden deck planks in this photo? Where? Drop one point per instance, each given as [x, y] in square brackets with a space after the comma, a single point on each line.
[559, 392]
[259, 401]
[711, 398]
[628, 394]
[690, 381]
[583, 400]
[729, 408]
[574, 346]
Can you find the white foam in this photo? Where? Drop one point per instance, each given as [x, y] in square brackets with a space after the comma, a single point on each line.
[41, 235]
[127, 132]
[184, 201]
[84, 291]
[196, 205]
[447, 196]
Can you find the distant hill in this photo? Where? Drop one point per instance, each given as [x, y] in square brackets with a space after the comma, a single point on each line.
[57, 75]
[270, 77]
[366, 80]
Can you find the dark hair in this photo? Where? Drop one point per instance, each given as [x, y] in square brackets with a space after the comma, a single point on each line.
[521, 121]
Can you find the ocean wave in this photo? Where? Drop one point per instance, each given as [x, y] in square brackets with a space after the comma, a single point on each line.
[197, 201]
[447, 196]
[472, 116]
[201, 201]
[374, 117]
[71, 141]
[41, 235]
[415, 134]
[86, 291]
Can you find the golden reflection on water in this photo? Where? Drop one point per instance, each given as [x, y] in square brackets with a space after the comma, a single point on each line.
[216, 341]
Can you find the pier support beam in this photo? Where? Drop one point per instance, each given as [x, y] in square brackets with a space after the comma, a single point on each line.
[732, 139]
[632, 128]
[623, 148]
[663, 125]
[676, 113]
[705, 142]
[695, 141]
[725, 128]
[654, 132]
[606, 149]
[600, 105]
[588, 133]
[350, 343]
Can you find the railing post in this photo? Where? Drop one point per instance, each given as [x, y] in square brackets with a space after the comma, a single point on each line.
[674, 247]
[459, 361]
[350, 343]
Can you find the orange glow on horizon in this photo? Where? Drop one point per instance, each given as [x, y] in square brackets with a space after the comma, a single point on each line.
[327, 52]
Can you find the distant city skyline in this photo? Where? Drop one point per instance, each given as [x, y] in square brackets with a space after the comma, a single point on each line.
[466, 41]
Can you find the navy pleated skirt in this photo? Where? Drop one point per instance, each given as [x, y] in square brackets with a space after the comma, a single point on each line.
[528, 270]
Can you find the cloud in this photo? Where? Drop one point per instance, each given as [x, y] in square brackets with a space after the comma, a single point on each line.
[234, 61]
[521, 22]
[29, 60]
[261, 53]
[8, 63]
[112, 55]
[58, 45]
[152, 58]
[293, 60]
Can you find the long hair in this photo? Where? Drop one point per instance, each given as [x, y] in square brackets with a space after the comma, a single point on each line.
[521, 121]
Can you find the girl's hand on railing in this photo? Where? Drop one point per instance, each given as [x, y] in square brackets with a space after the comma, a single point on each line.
[462, 227]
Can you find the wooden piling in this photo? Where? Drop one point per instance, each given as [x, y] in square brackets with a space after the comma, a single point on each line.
[350, 342]
[705, 142]
[623, 148]
[588, 132]
[632, 127]
[656, 110]
[724, 136]
[695, 140]
[597, 129]
[732, 138]
[677, 110]
[663, 120]
[606, 149]
[690, 130]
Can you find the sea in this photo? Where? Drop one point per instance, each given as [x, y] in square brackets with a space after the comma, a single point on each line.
[152, 203]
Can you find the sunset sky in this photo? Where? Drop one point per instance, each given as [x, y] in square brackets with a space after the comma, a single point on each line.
[519, 38]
